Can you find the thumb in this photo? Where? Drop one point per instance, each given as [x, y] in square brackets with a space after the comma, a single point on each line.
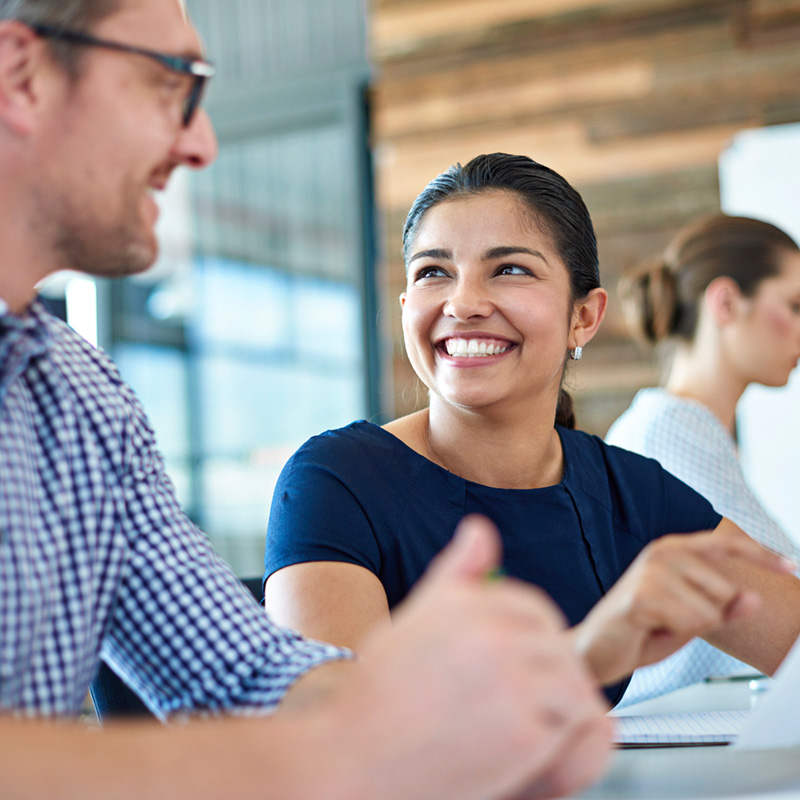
[474, 551]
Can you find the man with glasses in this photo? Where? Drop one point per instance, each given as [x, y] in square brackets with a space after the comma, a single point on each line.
[472, 693]
[196, 70]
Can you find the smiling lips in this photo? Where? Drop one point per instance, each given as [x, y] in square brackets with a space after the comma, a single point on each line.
[475, 348]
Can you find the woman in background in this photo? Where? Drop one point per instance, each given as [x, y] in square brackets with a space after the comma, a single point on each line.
[502, 290]
[726, 294]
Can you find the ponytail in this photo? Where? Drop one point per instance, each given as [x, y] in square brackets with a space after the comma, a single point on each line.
[565, 411]
[662, 298]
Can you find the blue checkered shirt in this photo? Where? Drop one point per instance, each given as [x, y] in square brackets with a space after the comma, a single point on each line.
[97, 558]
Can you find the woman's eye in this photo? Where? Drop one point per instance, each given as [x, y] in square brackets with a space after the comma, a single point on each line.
[513, 269]
[795, 307]
[429, 272]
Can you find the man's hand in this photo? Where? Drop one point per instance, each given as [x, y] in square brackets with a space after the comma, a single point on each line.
[474, 691]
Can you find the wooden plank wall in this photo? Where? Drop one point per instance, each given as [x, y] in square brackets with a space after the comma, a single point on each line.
[632, 101]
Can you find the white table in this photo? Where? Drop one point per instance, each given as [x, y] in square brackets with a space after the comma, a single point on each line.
[700, 772]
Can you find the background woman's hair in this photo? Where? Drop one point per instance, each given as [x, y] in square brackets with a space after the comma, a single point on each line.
[552, 203]
[662, 297]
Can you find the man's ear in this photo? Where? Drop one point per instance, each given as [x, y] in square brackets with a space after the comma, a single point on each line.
[587, 316]
[21, 55]
[722, 299]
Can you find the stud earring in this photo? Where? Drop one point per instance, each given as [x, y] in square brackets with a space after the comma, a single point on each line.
[576, 354]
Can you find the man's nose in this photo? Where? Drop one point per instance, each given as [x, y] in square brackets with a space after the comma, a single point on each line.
[196, 146]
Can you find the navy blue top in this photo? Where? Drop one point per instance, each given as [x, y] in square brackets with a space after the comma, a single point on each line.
[359, 495]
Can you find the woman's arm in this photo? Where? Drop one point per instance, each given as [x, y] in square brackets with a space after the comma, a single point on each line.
[331, 601]
[720, 585]
[764, 637]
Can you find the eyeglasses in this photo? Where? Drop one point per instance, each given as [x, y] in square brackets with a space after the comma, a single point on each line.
[200, 71]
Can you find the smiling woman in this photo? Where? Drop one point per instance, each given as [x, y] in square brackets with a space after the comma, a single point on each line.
[502, 289]
[483, 272]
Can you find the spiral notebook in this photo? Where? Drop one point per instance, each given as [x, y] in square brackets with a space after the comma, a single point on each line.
[773, 723]
[679, 730]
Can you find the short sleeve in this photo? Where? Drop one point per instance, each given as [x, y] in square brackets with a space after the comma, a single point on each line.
[687, 511]
[316, 515]
[647, 502]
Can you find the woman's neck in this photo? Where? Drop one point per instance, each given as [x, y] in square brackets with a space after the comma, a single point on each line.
[705, 377]
[518, 454]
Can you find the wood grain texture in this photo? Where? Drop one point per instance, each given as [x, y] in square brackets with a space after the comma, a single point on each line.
[633, 101]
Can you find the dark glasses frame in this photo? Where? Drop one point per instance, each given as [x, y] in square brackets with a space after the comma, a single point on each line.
[200, 71]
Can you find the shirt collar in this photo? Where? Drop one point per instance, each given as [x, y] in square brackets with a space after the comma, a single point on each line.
[34, 322]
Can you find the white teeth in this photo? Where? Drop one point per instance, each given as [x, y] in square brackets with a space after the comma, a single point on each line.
[472, 348]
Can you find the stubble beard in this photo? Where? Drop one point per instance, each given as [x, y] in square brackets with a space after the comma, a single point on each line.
[88, 242]
[104, 252]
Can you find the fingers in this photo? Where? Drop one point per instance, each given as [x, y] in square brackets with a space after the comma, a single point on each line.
[473, 552]
[681, 591]
[483, 670]
[680, 586]
[568, 738]
[696, 578]
[728, 540]
[582, 760]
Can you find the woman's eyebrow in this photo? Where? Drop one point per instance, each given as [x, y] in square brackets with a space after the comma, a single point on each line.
[510, 250]
[433, 253]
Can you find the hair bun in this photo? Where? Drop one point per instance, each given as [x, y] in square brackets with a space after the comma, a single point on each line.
[649, 298]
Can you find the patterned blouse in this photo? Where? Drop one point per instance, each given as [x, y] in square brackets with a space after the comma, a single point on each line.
[691, 443]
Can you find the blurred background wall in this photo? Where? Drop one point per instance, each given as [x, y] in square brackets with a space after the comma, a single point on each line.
[272, 313]
[633, 101]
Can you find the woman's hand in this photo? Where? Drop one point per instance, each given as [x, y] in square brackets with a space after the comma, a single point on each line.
[679, 587]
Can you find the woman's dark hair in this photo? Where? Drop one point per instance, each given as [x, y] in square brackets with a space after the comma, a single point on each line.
[661, 298]
[551, 202]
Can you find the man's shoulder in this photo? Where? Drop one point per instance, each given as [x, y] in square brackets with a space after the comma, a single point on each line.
[89, 376]
[74, 356]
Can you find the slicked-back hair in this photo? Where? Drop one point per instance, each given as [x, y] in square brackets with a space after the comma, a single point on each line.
[76, 15]
[549, 199]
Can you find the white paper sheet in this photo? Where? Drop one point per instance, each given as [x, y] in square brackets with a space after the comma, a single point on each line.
[701, 727]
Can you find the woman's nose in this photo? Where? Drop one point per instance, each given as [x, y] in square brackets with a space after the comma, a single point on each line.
[468, 299]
